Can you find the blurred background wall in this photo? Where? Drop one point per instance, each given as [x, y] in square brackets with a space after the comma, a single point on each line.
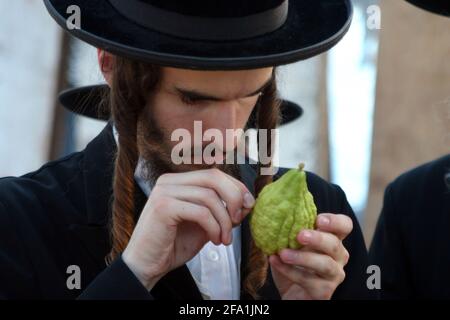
[30, 50]
[374, 106]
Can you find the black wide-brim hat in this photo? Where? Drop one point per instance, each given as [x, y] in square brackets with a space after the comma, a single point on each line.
[87, 101]
[205, 34]
[437, 6]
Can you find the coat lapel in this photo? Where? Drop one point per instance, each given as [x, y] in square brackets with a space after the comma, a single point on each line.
[96, 171]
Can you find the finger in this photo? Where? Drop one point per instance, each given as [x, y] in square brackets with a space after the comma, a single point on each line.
[204, 197]
[315, 286]
[321, 264]
[187, 211]
[244, 189]
[249, 199]
[322, 242]
[338, 224]
[211, 178]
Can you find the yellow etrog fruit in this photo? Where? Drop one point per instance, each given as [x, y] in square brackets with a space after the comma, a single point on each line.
[283, 208]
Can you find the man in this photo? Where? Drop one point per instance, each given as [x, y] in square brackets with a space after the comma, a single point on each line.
[137, 225]
[412, 240]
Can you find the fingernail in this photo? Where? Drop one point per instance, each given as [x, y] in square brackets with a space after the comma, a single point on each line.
[306, 236]
[249, 201]
[324, 221]
[288, 255]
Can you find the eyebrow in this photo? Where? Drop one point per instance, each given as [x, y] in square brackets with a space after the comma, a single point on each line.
[196, 95]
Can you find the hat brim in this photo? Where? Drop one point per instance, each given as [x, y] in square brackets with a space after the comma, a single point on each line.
[312, 27]
[441, 7]
[86, 101]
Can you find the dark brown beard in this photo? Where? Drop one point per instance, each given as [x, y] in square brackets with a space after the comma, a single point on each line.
[155, 152]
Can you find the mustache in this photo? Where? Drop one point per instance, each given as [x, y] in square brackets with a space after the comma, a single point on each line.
[198, 151]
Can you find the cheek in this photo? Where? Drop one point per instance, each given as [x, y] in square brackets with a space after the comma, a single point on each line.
[244, 115]
[169, 113]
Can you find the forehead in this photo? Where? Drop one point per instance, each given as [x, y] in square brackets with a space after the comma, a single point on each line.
[221, 82]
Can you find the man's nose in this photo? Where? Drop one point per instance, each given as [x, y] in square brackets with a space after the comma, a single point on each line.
[226, 116]
[225, 121]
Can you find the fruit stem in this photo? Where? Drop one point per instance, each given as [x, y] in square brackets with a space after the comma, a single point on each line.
[301, 166]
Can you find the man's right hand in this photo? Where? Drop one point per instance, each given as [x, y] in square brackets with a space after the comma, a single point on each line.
[184, 212]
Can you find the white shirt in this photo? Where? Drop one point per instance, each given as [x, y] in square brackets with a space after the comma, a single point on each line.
[215, 269]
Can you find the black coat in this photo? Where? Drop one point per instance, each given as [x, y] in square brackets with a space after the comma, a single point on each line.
[58, 215]
[412, 240]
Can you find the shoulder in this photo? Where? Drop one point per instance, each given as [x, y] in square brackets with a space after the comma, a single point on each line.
[419, 191]
[42, 191]
[433, 171]
[427, 179]
[53, 176]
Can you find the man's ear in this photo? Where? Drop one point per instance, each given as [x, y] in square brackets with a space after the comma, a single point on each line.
[105, 62]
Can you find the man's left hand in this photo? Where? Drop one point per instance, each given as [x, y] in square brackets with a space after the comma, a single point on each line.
[317, 269]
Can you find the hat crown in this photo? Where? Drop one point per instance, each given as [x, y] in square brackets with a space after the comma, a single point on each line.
[215, 9]
[209, 34]
[206, 20]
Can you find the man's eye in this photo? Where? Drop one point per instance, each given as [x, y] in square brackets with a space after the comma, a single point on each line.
[188, 100]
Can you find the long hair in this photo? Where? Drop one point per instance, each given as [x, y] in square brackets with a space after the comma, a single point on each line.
[268, 117]
[132, 86]
[133, 83]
